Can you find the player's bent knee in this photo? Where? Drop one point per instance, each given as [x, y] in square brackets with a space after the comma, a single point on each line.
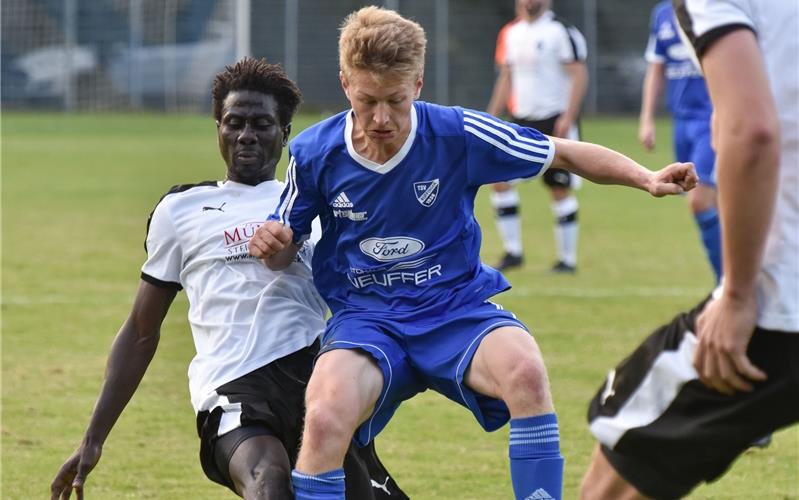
[525, 384]
[328, 423]
[267, 480]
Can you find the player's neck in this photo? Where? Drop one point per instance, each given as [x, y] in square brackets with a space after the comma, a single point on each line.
[374, 150]
[531, 18]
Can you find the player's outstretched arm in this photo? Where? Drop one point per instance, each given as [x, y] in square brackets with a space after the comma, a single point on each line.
[605, 166]
[272, 243]
[131, 352]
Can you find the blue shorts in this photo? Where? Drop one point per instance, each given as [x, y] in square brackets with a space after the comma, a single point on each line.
[418, 355]
[692, 139]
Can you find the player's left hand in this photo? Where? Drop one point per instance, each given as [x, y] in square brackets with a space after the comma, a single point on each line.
[562, 126]
[72, 474]
[724, 330]
[676, 178]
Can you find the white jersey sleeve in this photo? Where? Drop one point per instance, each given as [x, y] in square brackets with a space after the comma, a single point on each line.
[572, 45]
[704, 21]
[164, 255]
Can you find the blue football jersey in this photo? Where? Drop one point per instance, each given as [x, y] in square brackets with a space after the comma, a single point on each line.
[401, 237]
[687, 95]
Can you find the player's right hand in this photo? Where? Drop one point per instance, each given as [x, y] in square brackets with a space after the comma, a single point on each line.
[646, 134]
[269, 239]
[72, 475]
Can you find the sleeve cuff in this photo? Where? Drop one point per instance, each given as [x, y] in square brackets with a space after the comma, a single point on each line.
[161, 284]
[703, 42]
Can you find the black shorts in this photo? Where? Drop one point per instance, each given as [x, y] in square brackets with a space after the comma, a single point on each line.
[553, 177]
[271, 400]
[665, 432]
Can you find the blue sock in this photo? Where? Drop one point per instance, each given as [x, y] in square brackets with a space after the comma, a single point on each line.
[710, 229]
[325, 486]
[536, 466]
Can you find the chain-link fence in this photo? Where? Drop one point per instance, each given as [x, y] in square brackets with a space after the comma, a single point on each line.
[162, 54]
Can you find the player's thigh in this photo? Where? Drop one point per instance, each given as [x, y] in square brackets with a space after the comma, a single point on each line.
[257, 462]
[348, 381]
[503, 356]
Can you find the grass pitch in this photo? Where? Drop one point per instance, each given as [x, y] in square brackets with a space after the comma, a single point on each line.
[76, 192]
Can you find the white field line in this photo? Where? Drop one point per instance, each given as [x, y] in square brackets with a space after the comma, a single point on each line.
[610, 293]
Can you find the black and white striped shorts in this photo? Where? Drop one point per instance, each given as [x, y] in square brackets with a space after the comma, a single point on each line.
[665, 432]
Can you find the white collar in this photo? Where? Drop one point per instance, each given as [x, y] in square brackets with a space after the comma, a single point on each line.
[394, 160]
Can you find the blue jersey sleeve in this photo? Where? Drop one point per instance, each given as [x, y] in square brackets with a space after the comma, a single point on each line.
[499, 151]
[300, 202]
[655, 51]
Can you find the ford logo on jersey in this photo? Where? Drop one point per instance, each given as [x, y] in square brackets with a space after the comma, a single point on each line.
[389, 249]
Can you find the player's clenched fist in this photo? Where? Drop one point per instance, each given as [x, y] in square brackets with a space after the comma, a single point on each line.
[270, 239]
[674, 179]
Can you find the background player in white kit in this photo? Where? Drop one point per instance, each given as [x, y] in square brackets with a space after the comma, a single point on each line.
[255, 330]
[393, 181]
[698, 391]
[542, 81]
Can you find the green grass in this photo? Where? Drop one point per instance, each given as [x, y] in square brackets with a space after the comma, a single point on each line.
[76, 192]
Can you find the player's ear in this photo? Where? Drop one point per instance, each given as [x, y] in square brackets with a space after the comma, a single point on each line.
[286, 134]
[344, 83]
[419, 84]
[217, 124]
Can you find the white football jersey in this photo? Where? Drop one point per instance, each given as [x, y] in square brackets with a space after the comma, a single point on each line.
[242, 315]
[776, 24]
[535, 52]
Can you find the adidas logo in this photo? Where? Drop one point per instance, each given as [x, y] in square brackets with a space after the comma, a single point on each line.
[540, 494]
[342, 201]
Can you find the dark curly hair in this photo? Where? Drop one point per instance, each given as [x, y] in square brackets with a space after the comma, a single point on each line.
[260, 76]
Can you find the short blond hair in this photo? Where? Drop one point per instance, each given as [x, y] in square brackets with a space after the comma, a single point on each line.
[381, 42]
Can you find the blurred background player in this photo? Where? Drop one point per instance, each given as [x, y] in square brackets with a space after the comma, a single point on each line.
[670, 61]
[255, 330]
[699, 390]
[542, 81]
[393, 181]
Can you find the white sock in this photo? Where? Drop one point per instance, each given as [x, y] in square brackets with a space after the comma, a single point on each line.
[509, 224]
[566, 229]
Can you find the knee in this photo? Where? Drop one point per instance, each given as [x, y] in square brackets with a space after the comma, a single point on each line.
[328, 421]
[267, 480]
[559, 193]
[526, 383]
[701, 199]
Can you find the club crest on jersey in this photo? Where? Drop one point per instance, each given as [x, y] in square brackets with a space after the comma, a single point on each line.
[426, 192]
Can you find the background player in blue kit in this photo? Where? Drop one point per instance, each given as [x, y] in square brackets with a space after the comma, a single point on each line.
[689, 103]
[393, 182]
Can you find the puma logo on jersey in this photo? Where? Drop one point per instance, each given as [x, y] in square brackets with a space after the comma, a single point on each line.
[205, 209]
